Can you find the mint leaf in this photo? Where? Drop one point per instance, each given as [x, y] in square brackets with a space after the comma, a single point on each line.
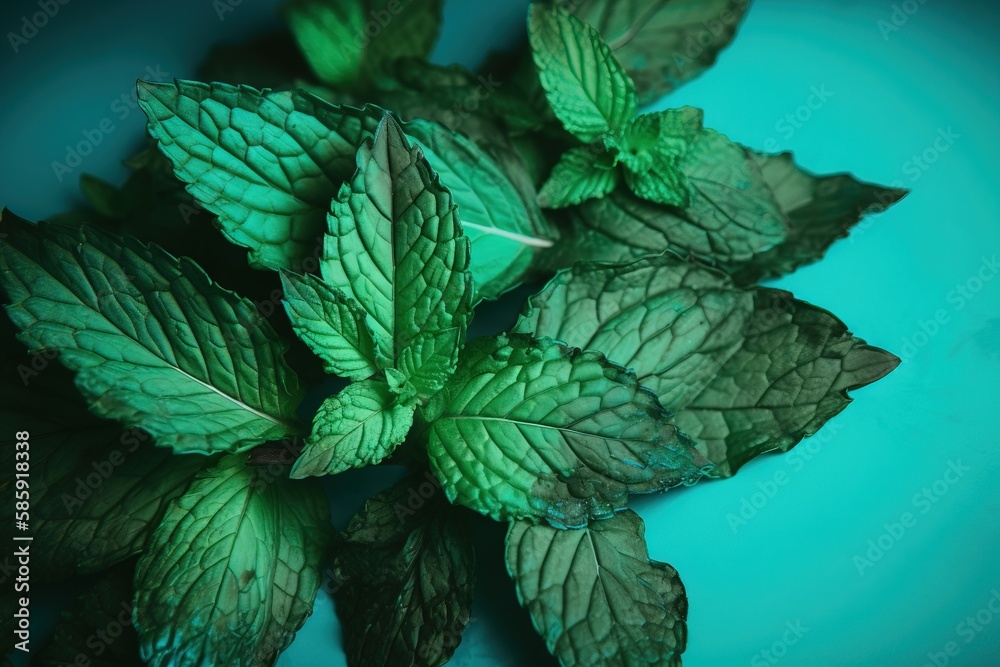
[731, 215]
[358, 427]
[532, 428]
[588, 90]
[155, 343]
[267, 163]
[336, 36]
[652, 148]
[595, 596]
[333, 325]
[663, 43]
[406, 572]
[232, 570]
[505, 232]
[98, 631]
[395, 245]
[579, 175]
[746, 370]
[819, 210]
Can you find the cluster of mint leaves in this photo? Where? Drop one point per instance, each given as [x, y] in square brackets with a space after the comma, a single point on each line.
[379, 208]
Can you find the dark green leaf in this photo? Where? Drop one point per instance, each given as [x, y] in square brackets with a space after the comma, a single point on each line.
[819, 210]
[406, 571]
[595, 596]
[532, 428]
[233, 569]
[663, 43]
[98, 632]
[155, 343]
[746, 370]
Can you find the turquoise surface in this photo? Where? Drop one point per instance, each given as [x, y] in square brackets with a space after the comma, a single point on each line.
[874, 543]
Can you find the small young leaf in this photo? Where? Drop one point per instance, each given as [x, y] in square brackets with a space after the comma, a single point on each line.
[532, 428]
[746, 370]
[406, 575]
[595, 596]
[653, 147]
[233, 569]
[663, 43]
[358, 427]
[731, 215]
[396, 246]
[335, 37]
[588, 90]
[267, 163]
[155, 343]
[504, 230]
[98, 632]
[819, 210]
[333, 325]
[579, 175]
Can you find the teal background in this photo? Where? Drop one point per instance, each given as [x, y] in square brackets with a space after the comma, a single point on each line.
[888, 96]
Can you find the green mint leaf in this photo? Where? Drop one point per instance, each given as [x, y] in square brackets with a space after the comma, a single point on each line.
[266, 163]
[358, 427]
[819, 210]
[505, 232]
[233, 569]
[731, 215]
[595, 596]
[406, 572]
[580, 174]
[430, 361]
[588, 90]
[663, 43]
[532, 428]
[348, 41]
[652, 148]
[155, 343]
[746, 370]
[395, 245]
[333, 325]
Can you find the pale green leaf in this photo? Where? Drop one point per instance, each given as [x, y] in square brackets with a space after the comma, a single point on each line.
[358, 427]
[588, 90]
[334, 326]
[580, 174]
[504, 230]
[233, 569]
[746, 370]
[532, 428]
[155, 343]
[595, 596]
[395, 245]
